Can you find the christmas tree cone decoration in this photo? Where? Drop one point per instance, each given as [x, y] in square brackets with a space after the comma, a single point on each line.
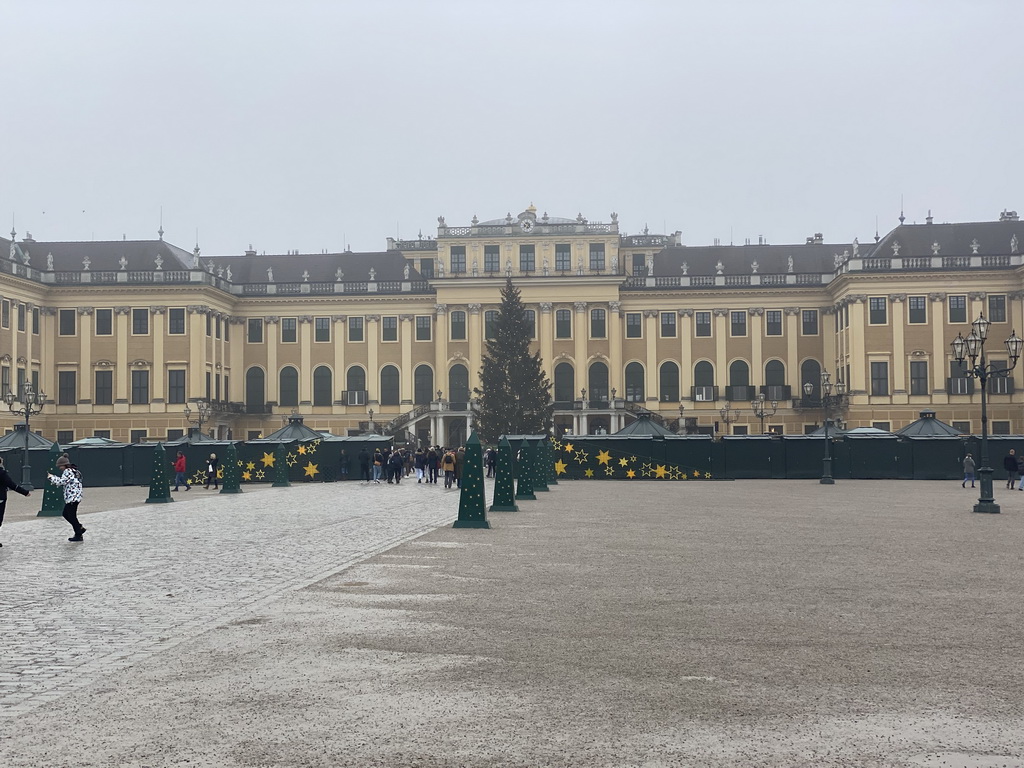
[232, 481]
[524, 488]
[53, 495]
[159, 484]
[472, 505]
[280, 468]
[504, 484]
[549, 462]
[539, 463]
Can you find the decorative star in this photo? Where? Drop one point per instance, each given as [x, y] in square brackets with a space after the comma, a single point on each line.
[581, 456]
[609, 470]
[707, 475]
[292, 459]
[268, 459]
[560, 467]
[660, 472]
[260, 474]
[623, 462]
[247, 475]
[568, 448]
[250, 466]
[603, 457]
[696, 473]
[302, 450]
[630, 474]
[646, 467]
[311, 469]
[589, 472]
[239, 462]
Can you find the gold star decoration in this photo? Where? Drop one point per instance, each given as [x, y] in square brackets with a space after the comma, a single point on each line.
[568, 448]
[268, 459]
[239, 462]
[632, 459]
[311, 469]
[603, 457]
[589, 472]
[260, 474]
[581, 456]
[646, 467]
[250, 465]
[560, 467]
[220, 473]
[292, 459]
[623, 462]
[630, 474]
[302, 450]
[247, 475]
[707, 475]
[609, 470]
[696, 473]
[660, 472]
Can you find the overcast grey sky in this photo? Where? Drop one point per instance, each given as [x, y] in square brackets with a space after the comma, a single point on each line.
[311, 125]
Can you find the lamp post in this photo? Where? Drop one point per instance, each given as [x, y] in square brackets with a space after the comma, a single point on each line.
[974, 348]
[729, 416]
[203, 411]
[829, 402]
[681, 424]
[372, 428]
[760, 408]
[30, 402]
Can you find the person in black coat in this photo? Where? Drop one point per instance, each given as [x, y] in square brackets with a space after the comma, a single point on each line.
[1010, 465]
[364, 465]
[7, 483]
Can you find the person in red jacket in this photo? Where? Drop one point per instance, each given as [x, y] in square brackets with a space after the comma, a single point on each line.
[179, 471]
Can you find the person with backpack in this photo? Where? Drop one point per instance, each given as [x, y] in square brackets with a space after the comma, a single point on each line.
[448, 467]
[396, 465]
[71, 480]
[433, 461]
[7, 483]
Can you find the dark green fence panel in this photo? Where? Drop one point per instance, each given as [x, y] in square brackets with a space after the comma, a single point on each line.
[873, 458]
[101, 466]
[904, 460]
[38, 459]
[935, 458]
[803, 456]
[747, 457]
[842, 459]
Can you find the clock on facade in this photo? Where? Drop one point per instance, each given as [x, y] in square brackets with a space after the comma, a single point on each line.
[526, 225]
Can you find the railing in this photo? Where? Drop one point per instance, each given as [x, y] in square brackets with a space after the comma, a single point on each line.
[776, 391]
[773, 279]
[254, 288]
[321, 287]
[739, 393]
[289, 288]
[917, 262]
[995, 261]
[702, 281]
[956, 262]
[704, 394]
[957, 385]
[877, 265]
[737, 280]
[402, 419]
[259, 408]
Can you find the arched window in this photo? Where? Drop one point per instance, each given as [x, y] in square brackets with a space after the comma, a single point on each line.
[255, 387]
[565, 383]
[323, 384]
[389, 386]
[704, 374]
[810, 370]
[635, 383]
[774, 374]
[739, 374]
[597, 378]
[288, 387]
[669, 382]
[458, 384]
[355, 386]
[423, 385]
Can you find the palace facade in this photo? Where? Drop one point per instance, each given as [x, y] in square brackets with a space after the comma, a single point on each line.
[122, 336]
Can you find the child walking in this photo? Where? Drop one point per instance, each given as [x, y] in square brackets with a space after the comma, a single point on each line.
[71, 479]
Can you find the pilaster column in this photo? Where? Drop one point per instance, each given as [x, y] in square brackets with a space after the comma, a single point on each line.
[476, 346]
[651, 381]
[721, 320]
[858, 356]
[441, 332]
[340, 336]
[159, 375]
[756, 315]
[685, 352]
[372, 356]
[236, 353]
[899, 345]
[614, 348]
[939, 344]
[405, 337]
[47, 375]
[305, 359]
[121, 390]
[792, 331]
[84, 355]
[547, 338]
[273, 338]
[579, 335]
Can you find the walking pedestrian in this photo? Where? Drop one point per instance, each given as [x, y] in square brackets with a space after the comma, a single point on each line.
[364, 464]
[343, 465]
[968, 471]
[460, 464]
[448, 467]
[420, 461]
[1010, 465]
[433, 461]
[211, 471]
[71, 480]
[179, 471]
[397, 466]
[1020, 470]
[7, 483]
[378, 464]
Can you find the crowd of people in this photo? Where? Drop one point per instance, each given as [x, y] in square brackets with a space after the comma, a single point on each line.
[428, 465]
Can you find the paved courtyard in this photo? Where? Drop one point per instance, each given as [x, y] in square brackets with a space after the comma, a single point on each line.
[606, 624]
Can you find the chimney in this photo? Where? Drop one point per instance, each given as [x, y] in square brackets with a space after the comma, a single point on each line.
[250, 252]
[27, 238]
[1008, 216]
[928, 218]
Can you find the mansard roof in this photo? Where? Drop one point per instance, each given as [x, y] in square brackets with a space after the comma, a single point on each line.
[314, 268]
[703, 260]
[100, 255]
[981, 238]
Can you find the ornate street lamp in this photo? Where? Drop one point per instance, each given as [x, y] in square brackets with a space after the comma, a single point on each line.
[28, 404]
[973, 347]
[728, 415]
[203, 412]
[760, 408]
[681, 424]
[372, 428]
[829, 402]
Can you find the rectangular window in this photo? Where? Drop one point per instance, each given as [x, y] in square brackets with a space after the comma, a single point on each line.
[809, 318]
[878, 313]
[1000, 382]
[427, 268]
[209, 324]
[702, 324]
[5, 379]
[634, 325]
[209, 386]
[5, 315]
[423, 327]
[531, 321]
[140, 322]
[492, 258]
[918, 377]
[255, 330]
[458, 259]
[355, 328]
[491, 324]
[140, 387]
[322, 329]
[22, 317]
[997, 309]
[137, 435]
[885, 426]
[879, 378]
[738, 323]
[176, 386]
[67, 387]
[639, 265]
[458, 325]
[35, 320]
[389, 328]
[65, 436]
[563, 257]
[527, 258]
[597, 257]
[289, 330]
[104, 321]
[957, 309]
[103, 392]
[216, 327]
[668, 325]
[917, 310]
[773, 322]
[66, 322]
[227, 330]
[563, 324]
[1000, 427]
[598, 324]
[101, 433]
[176, 321]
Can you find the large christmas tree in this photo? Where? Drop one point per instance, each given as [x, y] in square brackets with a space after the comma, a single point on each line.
[515, 394]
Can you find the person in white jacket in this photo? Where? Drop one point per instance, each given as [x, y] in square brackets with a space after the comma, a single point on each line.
[71, 479]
